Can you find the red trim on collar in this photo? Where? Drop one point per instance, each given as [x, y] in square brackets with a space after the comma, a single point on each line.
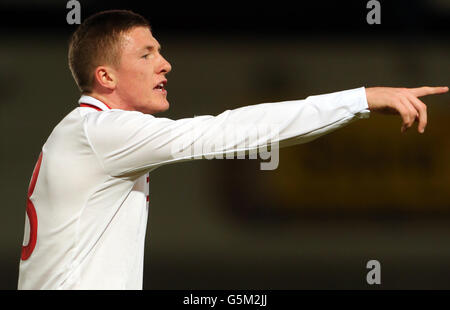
[90, 105]
[87, 105]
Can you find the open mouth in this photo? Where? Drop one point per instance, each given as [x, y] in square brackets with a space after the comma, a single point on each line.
[161, 86]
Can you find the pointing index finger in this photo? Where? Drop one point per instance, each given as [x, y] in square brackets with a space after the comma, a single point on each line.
[426, 90]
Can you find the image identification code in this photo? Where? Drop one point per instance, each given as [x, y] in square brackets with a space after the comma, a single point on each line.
[232, 299]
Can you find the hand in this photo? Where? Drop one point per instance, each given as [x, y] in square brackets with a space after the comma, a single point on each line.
[403, 101]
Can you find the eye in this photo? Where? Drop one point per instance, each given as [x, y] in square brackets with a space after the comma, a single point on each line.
[145, 56]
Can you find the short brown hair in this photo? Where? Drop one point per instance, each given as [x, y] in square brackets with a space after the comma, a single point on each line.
[97, 41]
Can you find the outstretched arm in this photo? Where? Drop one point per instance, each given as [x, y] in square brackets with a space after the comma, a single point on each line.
[132, 143]
[403, 101]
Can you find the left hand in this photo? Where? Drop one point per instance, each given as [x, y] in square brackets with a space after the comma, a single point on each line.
[403, 101]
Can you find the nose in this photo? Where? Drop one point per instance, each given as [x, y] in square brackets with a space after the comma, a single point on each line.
[165, 66]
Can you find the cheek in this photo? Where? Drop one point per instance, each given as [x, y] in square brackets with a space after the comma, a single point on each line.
[144, 80]
[136, 77]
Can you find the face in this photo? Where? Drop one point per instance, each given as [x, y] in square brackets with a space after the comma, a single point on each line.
[141, 73]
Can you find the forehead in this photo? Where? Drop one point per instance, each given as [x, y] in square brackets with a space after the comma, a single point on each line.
[139, 38]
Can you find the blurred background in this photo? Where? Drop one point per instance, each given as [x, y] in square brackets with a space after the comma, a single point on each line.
[363, 192]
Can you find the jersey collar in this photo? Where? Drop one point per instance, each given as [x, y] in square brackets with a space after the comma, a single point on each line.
[91, 102]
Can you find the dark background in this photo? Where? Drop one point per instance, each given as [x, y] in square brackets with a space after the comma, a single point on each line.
[361, 193]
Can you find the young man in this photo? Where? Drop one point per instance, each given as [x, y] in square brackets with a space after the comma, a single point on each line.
[88, 197]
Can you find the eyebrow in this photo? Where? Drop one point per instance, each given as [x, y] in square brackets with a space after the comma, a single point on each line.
[151, 48]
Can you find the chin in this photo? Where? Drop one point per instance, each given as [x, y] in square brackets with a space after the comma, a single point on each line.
[165, 107]
[159, 109]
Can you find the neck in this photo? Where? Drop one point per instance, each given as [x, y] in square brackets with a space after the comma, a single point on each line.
[110, 100]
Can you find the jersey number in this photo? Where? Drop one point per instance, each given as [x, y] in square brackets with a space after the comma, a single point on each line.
[31, 213]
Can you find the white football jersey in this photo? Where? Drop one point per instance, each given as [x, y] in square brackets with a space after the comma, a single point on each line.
[88, 200]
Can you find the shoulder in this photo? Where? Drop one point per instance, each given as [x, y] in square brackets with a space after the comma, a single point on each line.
[120, 123]
[115, 118]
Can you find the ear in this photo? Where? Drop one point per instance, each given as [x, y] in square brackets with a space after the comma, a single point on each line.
[106, 77]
